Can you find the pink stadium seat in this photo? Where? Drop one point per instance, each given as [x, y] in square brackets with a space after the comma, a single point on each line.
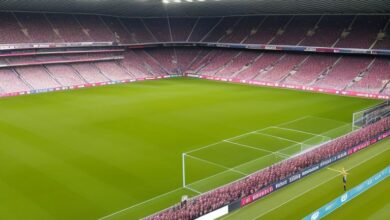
[11, 32]
[37, 77]
[311, 69]
[95, 27]
[282, 68]
[328, 31]
[377, 77]
[11, 82]
[262, 62]
[65, 75]
[159, 28]
[137, 30]
[267, 29]
[239, 62]
[363, 32]
[89, 72]
[202, 27]
[121, 35]
[113, 71]
[181, 28]
[296, 30]
[68, 28]
[38, 28]
[135, 65]
[243, 29]
[344, 72]
[222, 29]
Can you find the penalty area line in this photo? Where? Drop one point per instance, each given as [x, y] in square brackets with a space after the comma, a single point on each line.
[338, 171]
[193, 190]
[138, 204]
[218, 165]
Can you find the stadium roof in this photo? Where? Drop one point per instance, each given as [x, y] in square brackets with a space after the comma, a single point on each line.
[161, 8]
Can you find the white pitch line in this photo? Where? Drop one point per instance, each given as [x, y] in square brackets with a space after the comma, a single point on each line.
[304, 132]
[338, 171]
[248, 133]
[295, 120]
[209, 177]
[138, 204]
[198, 149]
[194, 190]
[299, 195]
[207, 146]
[277, 137]
[248, 146]
[216, 164]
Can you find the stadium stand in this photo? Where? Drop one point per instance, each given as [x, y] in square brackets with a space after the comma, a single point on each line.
[127, 57]
[366, 74]
[361, 31]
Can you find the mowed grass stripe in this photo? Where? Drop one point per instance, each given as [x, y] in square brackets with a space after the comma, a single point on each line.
[305, 196]
[87, 153]
[372, 204]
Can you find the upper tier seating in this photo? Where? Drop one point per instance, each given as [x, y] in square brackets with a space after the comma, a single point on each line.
[362, 31]
[68, 28]
[296, 30]
[159, 28]
[328, 31]
[181, 28]
[266, 31]
[95, 28]
[38, 28]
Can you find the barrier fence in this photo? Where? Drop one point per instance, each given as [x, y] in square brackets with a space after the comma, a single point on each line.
[296, 87]
[86, 85]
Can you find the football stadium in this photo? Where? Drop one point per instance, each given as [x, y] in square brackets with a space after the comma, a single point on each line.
[194, 109]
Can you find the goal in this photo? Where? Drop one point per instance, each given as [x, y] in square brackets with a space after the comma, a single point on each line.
[370, 115]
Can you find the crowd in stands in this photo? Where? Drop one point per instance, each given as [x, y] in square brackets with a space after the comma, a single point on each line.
[27, 71]
[368, 74]
[361, 31]
[215, 199]
[323, 71]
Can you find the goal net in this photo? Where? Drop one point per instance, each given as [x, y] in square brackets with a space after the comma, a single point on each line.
[370, 115]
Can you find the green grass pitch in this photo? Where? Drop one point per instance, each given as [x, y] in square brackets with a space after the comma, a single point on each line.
[88, 153]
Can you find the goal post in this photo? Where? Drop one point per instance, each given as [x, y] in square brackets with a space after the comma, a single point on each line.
[370, 115]
[183, 167]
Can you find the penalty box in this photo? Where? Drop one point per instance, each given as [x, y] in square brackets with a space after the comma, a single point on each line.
[220, 163]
